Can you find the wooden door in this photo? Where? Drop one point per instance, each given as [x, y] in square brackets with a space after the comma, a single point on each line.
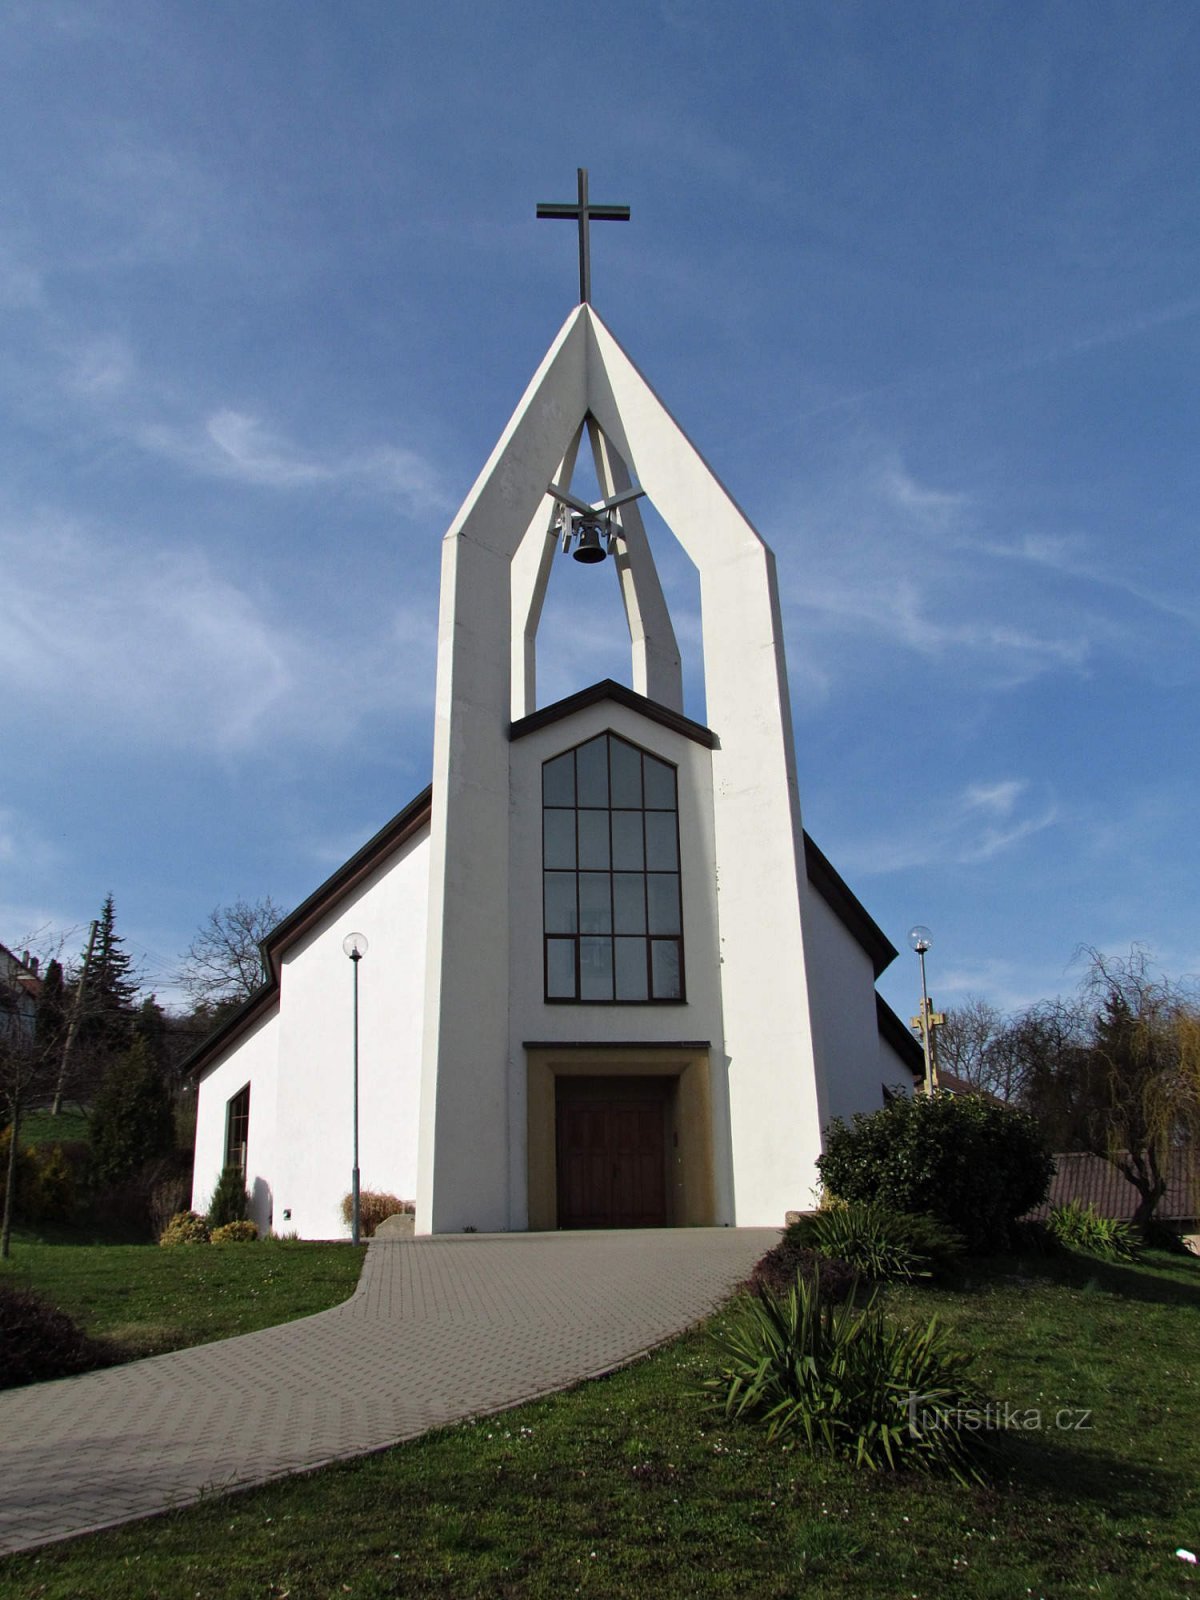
[611, 1153]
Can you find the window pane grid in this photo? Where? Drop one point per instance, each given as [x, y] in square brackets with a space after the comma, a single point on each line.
[611, 889]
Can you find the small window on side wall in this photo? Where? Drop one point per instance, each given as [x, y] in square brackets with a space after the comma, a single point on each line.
[237, 1129]
[612, 913]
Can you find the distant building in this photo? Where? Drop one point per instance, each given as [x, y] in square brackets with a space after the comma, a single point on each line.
[20, 986]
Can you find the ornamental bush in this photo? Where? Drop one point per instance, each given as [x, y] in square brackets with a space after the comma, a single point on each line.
[185, 1227]
[229, 1202]
[234, 1233]
[881, 1242]
[974, 1164]
[842, 1381]
[1082, 1228]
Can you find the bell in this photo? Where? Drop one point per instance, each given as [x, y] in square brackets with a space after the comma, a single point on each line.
[589, 550]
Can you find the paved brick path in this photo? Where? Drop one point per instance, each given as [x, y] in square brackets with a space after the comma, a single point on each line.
[437, 1330]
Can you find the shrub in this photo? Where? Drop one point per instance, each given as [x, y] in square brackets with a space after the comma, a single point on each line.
[26, 1174]
[131, 1119]
[166, 1200]
[54, 1187]
[45, 1189]
[973, 1164]
[844, 1382]
[373, 1207]
[229, 1202]
[38, 1342]
[185, 1227]
[234, 1233]
[791, 1257]
[880, 1242]
[1082, 1228]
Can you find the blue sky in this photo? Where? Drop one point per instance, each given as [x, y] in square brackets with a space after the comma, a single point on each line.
[922, 282]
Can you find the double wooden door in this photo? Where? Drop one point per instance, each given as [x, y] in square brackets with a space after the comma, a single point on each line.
[612, 1152]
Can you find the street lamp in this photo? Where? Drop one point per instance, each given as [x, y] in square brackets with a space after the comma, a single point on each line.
[355, 946]
[920, 939]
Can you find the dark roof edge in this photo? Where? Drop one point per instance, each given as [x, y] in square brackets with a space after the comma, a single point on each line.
[846, 905]
[893, 1032]
[609, 689]
[390, 837]
[393, 834]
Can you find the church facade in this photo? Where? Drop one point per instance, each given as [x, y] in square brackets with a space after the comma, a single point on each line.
[609, 979]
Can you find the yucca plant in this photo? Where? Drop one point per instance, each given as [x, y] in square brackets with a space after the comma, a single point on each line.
[1083, 1228]
[880, 1242]
[845, 1382]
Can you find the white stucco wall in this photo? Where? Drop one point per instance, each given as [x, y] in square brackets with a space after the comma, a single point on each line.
[893, 1070]
[299, 1061]
[530, 1018]
[314, 1140]
[254, 1061]
[842, 985]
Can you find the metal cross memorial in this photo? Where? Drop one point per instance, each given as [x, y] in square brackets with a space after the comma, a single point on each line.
[585, 213]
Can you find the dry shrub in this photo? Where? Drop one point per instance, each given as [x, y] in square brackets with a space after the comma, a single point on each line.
[166, 1201]
[241, 1232]
[373, 1207]
[186, 1227]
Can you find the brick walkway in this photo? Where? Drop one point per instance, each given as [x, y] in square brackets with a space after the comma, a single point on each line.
[437, 1330]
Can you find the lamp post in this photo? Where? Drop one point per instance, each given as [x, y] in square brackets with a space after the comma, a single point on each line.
[920, 939]
[355, 946]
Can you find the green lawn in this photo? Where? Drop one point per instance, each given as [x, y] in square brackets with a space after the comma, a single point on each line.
[40, 1128]
[628, 1487]
[148, 1300]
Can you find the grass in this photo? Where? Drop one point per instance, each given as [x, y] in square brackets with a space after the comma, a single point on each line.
[40, 1128]
[149, 1300]
[630, 1487]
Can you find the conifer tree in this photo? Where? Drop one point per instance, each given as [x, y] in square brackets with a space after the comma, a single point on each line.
[109, 987]
[131, 1119]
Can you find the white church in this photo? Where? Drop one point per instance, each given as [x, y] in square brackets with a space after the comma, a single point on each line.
[607, 979]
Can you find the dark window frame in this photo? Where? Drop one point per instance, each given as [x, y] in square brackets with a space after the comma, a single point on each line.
[648, 935]
[237, 1121]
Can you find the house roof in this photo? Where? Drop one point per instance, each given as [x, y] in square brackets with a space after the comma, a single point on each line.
[609, 689]
[900, 1039]
[1093, 1180]
[416, 815]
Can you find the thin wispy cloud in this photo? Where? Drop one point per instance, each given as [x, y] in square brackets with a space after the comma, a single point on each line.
[239, 446]
[978, 823]
[140, 645]
[881, 561]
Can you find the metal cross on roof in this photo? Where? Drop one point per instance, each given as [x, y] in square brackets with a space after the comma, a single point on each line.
[585, 214]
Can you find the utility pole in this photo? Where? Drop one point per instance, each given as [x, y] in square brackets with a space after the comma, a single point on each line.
[73, 1025]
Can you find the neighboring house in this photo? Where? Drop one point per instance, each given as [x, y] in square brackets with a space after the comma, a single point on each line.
[1093, 1180]
[609, 980]
[20, 986]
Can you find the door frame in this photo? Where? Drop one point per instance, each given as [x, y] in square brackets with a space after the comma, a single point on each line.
[690, 1186]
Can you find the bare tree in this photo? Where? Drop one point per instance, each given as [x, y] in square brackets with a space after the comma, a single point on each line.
[966, 1043]
[224, 961]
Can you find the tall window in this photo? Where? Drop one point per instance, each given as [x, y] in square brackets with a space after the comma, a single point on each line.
[610, 880]
[237, 1129]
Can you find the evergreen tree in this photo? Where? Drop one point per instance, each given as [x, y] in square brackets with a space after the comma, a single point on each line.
[50, 1019]
[109, 989]
[131, 1119]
